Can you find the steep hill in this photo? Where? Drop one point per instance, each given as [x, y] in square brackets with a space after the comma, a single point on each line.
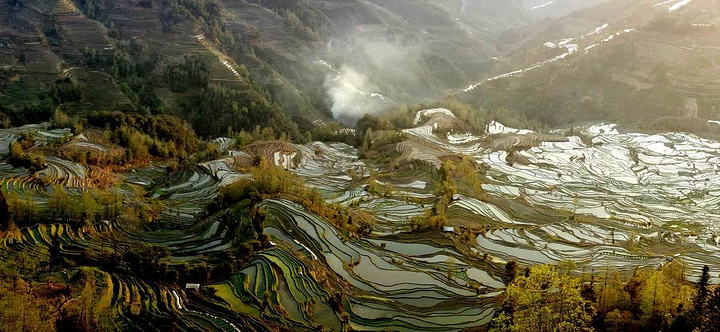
[556, 8]
[310, 59]
[631, 62]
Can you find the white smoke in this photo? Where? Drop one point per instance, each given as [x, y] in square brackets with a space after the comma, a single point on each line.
[348, 91]
[372, 68]
[464, 4]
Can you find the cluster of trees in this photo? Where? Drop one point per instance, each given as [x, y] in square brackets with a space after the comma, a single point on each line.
[19, 157]
[215, 107]
[146, 3]
[219, 107]
[244, 138]
[152, 262]
[270, 181]
[16, 3]
[61, 120]
[144, 136]
[94, 9]
[5, 121]
[374, 135]
[21, 309]
[85, 209]
[36, 104]
[193, 72]
[272, 70]
[445, 190]
[90, 309]
[177, 10]
[332, 132]
[64, 91]
[297, 26]
[460, 175]
[550, 298]
[132, 68]
[303, 19]
[546, 298]
[81, 210]
[206, 13]
[77, 301]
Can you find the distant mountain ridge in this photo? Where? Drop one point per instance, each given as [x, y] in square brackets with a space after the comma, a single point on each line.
[293, 65]
[281, 51]
[643, 63]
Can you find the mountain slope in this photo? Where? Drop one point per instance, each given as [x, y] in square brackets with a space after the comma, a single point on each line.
[628, 62]
[284, 53]
[556, 8]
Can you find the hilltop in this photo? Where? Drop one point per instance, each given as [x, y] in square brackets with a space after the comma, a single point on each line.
[644, 64]
[273, 57]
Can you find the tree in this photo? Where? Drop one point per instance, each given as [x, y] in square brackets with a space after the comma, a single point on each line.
[511, 270]
[90, 309]
[21, 310]
[5, 216]
[664, 295]
[710, 317]
[701, 296]
[58, 202]
[548, 299]
[706, 313]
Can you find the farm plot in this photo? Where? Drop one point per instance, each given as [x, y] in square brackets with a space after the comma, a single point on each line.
[8, 136]
[80, 31]
[630, 183]
[392, 216]
[323, 166]
[413, 280]
[59, 173]
[192, 189]
[82, 143]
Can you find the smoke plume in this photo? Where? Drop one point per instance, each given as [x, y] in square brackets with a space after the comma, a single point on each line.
[348, 91]
[373, 68]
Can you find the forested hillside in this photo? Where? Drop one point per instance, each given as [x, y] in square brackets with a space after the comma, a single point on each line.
[272, 62]
[642, 63]
[359, 165]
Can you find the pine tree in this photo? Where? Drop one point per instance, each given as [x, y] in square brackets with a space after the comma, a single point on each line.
[547, 299]
[5, 216]
[710, 317]
[699, 302]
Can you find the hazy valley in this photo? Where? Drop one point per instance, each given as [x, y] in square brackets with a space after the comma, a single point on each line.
[384, 165]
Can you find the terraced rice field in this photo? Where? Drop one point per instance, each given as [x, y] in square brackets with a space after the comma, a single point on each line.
[323, 166]
[397, 285]
[618, 201]
[58, 172]
[571, 201]
[627, 189]
[193, 189]
[124, 294]
[8, 136]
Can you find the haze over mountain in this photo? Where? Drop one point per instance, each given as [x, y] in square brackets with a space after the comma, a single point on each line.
[405, 51]
[340, 59]
[359, 165]
[653, 59]
[555, 8]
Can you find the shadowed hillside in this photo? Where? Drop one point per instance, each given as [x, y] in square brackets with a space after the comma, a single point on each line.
[283, 57]
[629, 62]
